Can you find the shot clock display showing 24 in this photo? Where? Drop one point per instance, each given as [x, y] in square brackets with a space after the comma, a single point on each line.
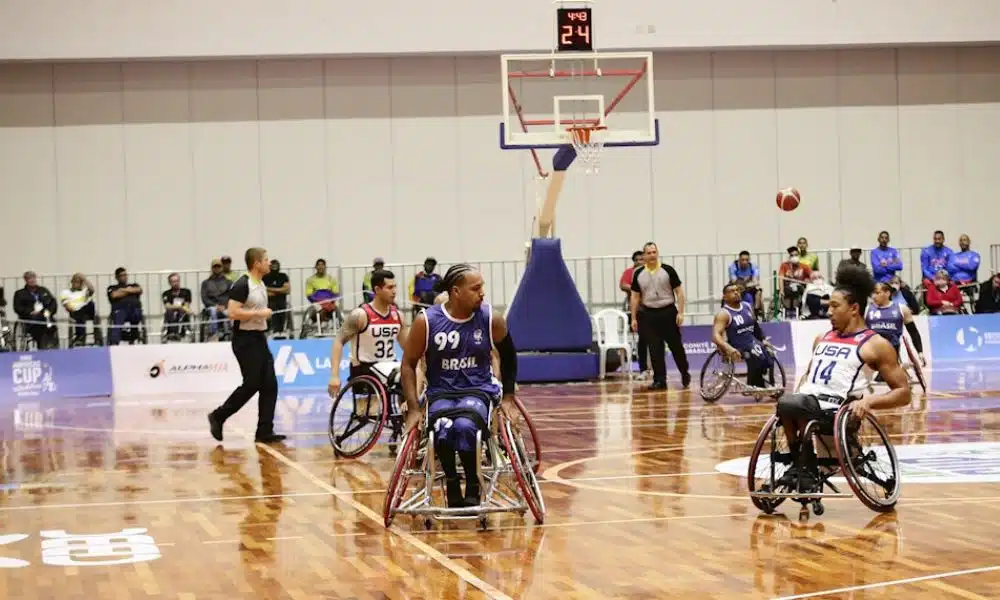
[574, 30]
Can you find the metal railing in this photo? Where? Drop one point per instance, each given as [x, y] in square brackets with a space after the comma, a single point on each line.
[596, 278]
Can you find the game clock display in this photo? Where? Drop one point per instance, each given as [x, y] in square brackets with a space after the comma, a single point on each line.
[574, 30]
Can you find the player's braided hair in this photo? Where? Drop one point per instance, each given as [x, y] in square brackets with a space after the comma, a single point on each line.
[856, 284]
[453, 277]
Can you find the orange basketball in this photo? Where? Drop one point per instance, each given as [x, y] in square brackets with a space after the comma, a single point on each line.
[789, 199]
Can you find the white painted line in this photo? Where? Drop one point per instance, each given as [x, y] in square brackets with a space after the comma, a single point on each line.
[869, 586]
[164, 501]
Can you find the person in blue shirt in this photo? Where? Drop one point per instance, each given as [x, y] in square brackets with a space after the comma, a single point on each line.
[935, 257]
[885, 260]
[745, 273]
[964, 264]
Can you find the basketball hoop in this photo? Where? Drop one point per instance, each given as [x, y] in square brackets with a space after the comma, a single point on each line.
[587, 145]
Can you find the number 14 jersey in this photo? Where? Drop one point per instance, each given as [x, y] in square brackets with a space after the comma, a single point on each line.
[836, 364]
[377, 341]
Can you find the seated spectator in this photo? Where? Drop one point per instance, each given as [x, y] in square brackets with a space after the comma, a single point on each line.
[935, 257]
[964, 264]
[885, 259]
[807, 258]
[278, 288]
[422, 288]
[367, 294]
[176, 308]
[227, 269]
[855, 259]
[323, 289]
[78, 301]
[989, 295]
[942, 296]
[902, 294]
[35, 307]
[818, 297]
[747, 274]
[793, 275]
[126, 308]
[215, 298]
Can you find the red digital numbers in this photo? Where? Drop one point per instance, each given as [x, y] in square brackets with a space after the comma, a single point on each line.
[575, 30]
[572, 35]
[578, 16]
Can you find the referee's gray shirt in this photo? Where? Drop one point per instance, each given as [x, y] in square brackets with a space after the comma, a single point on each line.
[656, 288]
[253, 295]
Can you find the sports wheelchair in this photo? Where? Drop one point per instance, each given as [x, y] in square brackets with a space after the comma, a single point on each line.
[858, 450]
[370, 402]
[719, 372]
[505, 473]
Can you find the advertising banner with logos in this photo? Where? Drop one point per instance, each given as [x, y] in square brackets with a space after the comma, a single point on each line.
[966, 337]
[51, 374]
[174, 368]
[698, 344]
[305, 364]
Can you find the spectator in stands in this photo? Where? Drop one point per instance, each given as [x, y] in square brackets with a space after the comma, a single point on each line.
[818, 297]
[126, 307]
[885, 259]
[367, 294]
[35, 306]
[793, 275]
[422, 288]
[227, 269]
[902, 294]
[989, 295]
[323, 289]
[215, 298]
[854, 260]
[942, 295]
[278, 288]
[78, 301]
[176, 307]
[747, 274]
[625, 285]
[964, 264]
[935, 257]
[807, 258]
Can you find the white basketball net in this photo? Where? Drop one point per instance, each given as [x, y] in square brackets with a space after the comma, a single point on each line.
[588, 141]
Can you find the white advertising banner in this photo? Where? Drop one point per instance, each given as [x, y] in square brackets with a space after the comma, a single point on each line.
[174, 368]
[805, 332]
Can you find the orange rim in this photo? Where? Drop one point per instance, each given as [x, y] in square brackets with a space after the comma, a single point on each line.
[581, 133]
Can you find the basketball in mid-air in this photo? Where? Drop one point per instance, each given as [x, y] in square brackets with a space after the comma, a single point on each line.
[789, 199]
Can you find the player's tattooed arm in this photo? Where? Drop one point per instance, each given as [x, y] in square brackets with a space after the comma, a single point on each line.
[353, 324]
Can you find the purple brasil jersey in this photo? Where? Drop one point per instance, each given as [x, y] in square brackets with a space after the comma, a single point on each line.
[459, 352]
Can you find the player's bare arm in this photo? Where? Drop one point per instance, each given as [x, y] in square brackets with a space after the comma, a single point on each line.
[356, 321]
[507, 353]
[880, 356]
[413, 352]
[911, 327]
[719, 325]
[805, 373]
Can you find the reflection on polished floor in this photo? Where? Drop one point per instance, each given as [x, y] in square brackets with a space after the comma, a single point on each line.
[130, 498]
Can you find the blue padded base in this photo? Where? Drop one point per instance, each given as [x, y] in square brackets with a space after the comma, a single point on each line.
[554, 367]
[547, 313]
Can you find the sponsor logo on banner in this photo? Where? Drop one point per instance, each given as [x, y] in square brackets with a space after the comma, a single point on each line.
[174, 369]
[165, 368]
[288, 364]
[970, 462]
[966, 337]
[51, 374]
[698, 344]
[305, 364]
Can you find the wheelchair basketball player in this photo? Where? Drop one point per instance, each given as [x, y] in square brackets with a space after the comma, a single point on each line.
[738, 335]
[832, 376]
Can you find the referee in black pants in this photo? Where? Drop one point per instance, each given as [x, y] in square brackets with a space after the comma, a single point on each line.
[248, 309]
[657, 305]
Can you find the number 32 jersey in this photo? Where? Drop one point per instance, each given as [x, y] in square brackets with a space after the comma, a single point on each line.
[377, 341]
[459, 352]
[836, 364]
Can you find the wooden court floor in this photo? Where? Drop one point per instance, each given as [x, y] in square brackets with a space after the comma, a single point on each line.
[130, 498]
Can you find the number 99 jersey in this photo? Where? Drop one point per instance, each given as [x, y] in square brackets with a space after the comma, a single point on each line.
[459, 352]
[377, 341]
[836, 364]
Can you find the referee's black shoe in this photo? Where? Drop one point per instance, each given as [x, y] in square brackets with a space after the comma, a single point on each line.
[215, 426]
[658, 385]
[270, 438]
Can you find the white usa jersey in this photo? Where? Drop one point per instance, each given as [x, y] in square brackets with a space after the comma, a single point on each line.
[377, 341]
[836, 365]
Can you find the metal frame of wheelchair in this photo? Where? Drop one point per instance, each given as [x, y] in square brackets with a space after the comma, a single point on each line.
[387, 391]
[730, 377]
[313, 325]
[500, 456]
[852, 462]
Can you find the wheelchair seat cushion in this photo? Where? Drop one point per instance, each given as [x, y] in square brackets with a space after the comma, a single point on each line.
[387, 373]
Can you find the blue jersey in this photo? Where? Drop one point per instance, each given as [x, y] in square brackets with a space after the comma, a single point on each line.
[459, 353]
[740, 331]
[886, 321]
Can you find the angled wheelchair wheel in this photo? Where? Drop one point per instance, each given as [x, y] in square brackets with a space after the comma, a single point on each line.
[779, 374]
[357, 416]
[716, 375]
[770, 458]
[406, 462]
[867, 459]
[526, 481]
[532, 446]
[915, 361]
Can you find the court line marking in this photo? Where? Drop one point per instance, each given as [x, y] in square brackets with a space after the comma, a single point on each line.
[161, 501]
[881, 584]
[423, 547]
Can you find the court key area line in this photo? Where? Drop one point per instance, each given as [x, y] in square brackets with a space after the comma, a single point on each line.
[426, 549]
[881, 584]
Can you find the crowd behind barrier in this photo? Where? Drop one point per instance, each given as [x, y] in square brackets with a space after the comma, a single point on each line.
[596, 278]
[32, 379]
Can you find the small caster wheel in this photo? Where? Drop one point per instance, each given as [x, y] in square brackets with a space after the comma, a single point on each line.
[427, 524]
[483, 523]
[818, 508]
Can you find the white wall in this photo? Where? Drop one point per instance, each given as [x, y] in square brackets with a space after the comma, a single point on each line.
[163, 165]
